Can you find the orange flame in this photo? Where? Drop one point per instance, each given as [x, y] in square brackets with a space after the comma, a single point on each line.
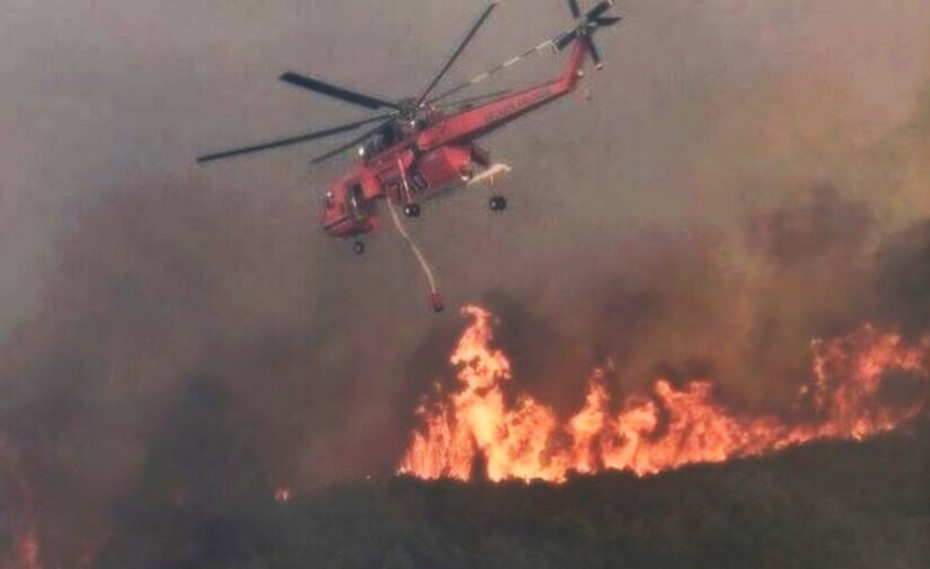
[476, 428]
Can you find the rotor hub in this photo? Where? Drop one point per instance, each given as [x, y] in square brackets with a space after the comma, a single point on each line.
[409, 109]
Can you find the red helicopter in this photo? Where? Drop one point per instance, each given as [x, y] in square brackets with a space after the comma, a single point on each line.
[423, 147]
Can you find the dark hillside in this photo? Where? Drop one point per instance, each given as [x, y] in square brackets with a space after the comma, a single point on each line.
[824, 505]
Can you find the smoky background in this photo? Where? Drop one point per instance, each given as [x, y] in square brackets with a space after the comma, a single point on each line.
[748, 175]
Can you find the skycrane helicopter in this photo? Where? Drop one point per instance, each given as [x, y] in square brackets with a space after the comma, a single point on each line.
[422, 146]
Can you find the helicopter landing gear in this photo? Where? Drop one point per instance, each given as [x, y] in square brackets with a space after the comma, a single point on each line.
[412, 210]
[358, 247]
[497, 203]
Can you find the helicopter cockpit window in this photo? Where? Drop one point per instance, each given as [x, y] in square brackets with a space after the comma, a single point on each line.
[391, 134]
[355, 197]
[382, 139]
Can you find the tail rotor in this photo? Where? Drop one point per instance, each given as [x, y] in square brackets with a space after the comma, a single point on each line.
[586, 26]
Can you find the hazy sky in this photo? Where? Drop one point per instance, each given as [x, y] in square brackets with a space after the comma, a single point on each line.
[100, 95]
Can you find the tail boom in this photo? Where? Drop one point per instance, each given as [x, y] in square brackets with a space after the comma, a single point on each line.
[479, 121]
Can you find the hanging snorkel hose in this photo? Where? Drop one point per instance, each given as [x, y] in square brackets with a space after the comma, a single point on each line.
[434, 297]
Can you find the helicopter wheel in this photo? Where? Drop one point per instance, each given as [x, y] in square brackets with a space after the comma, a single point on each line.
[412, 210]
[497, 203]
[358, 247]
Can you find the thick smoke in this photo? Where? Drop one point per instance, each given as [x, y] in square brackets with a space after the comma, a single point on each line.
[183, 362]
[152, 291]
[690, 304]
[200, 489]
[903, 282]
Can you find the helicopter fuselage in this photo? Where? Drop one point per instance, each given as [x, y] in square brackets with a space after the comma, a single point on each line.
[413, 149]
[437, 154]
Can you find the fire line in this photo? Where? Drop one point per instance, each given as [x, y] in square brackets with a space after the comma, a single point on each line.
[667, 428]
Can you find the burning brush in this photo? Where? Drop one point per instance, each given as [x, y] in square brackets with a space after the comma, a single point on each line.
[664, 429]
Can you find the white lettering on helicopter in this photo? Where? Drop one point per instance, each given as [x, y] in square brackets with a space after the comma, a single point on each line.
[520, 104]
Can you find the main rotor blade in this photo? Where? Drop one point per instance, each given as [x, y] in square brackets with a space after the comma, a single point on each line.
[573, 6]
[599, 9]
[458, 51]
[546, 45]
[289, 141]
[340, 93]
[354, 142]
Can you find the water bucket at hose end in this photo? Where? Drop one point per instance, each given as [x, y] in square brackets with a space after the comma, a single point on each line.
[436, 300]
